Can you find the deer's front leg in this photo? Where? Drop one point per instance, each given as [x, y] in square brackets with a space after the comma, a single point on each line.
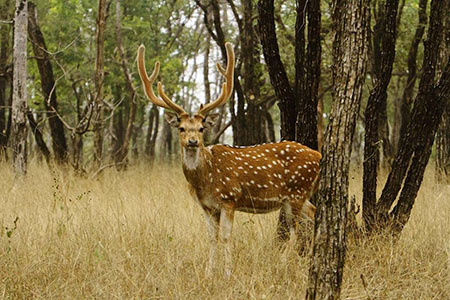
[212, 223]
[226, 227]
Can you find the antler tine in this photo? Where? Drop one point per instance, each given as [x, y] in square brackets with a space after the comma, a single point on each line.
[175, 107]
[227, 87]
[147, 83]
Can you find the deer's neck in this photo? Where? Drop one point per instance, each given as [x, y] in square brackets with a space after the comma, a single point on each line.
[195, 164]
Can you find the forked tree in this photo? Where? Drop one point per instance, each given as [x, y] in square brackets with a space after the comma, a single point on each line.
[225, 179]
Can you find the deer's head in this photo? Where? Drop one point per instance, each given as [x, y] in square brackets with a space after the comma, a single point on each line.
[190, 128]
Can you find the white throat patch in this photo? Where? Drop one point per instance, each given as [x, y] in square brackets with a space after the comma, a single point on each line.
[191, 158]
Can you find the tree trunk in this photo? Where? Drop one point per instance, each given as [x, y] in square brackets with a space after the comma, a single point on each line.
[415, 144]
[48, 85]
[98, 80]
[408, 93]
[5, 50]
[350, 26]
[20, 95]
[376, 108]
[443, 134]
[123, 152]
[152, 133]
[38, 136]
[277, 73]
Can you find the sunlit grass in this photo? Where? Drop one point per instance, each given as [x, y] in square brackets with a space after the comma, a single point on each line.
[138, 234]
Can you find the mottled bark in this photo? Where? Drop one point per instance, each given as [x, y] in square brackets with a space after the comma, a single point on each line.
[38, 136]
[376, 108]
[415, 144]
[277, 73]
[20, 95]
[123, 152]
[5, 52]
[350, 26]
[408, 93]
[443, 134]
[48, 85]
[98, 80]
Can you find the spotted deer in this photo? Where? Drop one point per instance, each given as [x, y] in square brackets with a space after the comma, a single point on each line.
[225, 179]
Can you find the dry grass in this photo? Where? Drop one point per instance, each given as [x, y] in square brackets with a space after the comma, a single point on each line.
[139, 235]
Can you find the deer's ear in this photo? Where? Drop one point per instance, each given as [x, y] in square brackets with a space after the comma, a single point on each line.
[210, 120]
[172, 119]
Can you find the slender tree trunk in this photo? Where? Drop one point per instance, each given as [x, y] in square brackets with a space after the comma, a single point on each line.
[443, 134]
[129, 83]
[48, 85]
[408, 93]
[99, 80]
[152, 132]
[20, 95]
[376, 107]
[350, 26]
[415, 144]
[38, 136]
[5, 50]
[277, 73]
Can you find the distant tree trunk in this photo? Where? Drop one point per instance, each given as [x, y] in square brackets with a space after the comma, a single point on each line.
[152, 133]
[443, 134]
[5, 50]
[408, 93]
[59, 144]
[123, 152]
[415, 145]
[376, 108]
[20, 95]
[38, 136]
[98, 80]
[277, 72]
[350, 27]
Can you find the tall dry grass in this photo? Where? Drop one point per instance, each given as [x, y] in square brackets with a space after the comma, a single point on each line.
[138, 235]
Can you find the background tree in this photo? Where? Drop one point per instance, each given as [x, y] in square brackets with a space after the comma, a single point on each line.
[20, 95]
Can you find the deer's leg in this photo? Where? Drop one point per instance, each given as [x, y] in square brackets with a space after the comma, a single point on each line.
[288, 208]
[212, 223]
[226, 227]
[309, 210]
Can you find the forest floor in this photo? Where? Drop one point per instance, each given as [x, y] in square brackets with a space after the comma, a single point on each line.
[138, 234]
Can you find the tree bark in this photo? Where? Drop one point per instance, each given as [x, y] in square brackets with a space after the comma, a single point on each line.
[5, 50]
[443, 134]
[152, 133]
[376, 107]
[408, 93]
[20, 95]
[415, 144]
[350, 27]
[38, 136]
[277, 73]
[123, 152]
[99, 80]
[48, 85]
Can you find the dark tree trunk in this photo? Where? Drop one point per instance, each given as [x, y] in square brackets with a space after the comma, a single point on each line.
[59, 144]
[152, 132]
[415, 144]
[38, 137]
[351, 26]
[277, 73]
[5, 78]
[376, 108]
[443, 134]
[408, 93]
[123, 151]
[98, 80]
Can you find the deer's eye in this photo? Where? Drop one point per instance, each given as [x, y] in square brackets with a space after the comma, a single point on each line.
[202, 128]
[181, 129]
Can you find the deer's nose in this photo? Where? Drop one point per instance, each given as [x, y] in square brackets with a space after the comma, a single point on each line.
[192, 143]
